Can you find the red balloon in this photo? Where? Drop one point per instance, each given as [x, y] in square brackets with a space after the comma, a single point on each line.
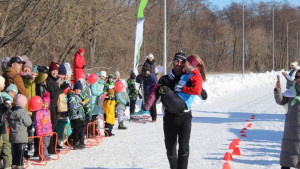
[35, 103]
[119, 86]
[93, 78]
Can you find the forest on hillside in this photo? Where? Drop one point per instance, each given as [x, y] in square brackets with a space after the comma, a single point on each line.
[53, 30]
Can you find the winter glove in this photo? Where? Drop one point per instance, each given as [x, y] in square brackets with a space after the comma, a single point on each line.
[171, 76]
[64, 86]
[203, 94]
[178, 88]
[127, 104]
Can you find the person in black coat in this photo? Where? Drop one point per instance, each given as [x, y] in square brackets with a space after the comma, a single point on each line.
[54, 91]
[176, 126]
[149, 64]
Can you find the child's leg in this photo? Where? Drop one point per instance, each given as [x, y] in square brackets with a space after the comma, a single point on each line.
[153, 112]
[94, 118]
[75, 130]
[14, 152]
[132, 105]
[120, 115]
[46, 142]
[82, 130]
[18, 150]
[171, 101]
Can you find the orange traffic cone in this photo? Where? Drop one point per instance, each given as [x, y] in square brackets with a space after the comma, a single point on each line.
[227, 157]
[249, 125]
[237, 140]
[236, 151]
[253, 117]
[242, 131]
[243, 135]
[247, 120]
[244, 128]
[226, 165]
[232, 145]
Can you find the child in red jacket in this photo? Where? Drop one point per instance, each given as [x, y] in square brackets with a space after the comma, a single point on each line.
[188, 87]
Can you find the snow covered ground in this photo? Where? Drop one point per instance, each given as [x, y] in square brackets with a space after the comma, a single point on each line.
[232, 99]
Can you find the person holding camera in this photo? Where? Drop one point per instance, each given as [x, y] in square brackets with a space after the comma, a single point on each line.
[12, 75]
[147, 80]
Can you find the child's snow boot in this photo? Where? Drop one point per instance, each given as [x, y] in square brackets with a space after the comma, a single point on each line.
[121, 126]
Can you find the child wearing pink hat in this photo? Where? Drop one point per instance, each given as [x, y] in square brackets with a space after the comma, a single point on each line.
[43, 123]
[18, 120]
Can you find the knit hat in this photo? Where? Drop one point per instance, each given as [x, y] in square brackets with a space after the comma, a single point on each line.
[102, 73]
[179, 57]
[21, 100]
[27, 64]
[62, 70]
[193, 61]
[6, 97]
[68, 68]
[46, 97]
[294, 64]
[78, 85]
[150, 56]
[12, 87]
[2, 81]
[81, 50]
[117, 73]
[24, 57]
[110, 76]
[53, 66]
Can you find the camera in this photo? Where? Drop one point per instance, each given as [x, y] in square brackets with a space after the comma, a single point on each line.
[42, 69]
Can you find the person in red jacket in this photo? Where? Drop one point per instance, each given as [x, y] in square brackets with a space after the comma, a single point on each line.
[78, 65]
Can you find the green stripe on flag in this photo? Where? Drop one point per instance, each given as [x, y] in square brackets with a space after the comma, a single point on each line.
[142, 6]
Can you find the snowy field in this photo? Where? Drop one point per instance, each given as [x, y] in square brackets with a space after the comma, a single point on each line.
[232, 99]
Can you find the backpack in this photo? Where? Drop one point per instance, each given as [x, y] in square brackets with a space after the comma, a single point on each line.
[62, 105]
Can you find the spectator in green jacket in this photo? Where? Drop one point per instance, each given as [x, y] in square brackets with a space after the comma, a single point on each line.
[132, 92]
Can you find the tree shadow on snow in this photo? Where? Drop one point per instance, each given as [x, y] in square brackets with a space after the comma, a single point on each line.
[235, 117]
[258, 140]
[110, 168]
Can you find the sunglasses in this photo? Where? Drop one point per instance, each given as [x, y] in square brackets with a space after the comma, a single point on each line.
[297, 77]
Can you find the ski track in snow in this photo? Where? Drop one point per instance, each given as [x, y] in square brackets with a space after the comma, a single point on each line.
[216, 122]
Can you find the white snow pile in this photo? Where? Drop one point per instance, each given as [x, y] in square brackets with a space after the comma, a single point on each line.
[218, 85]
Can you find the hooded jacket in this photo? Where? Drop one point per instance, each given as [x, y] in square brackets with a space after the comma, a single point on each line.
[289, 154]
[79, 63]
[149, 65]
[97, 90]
[42, 122]
[18, 120]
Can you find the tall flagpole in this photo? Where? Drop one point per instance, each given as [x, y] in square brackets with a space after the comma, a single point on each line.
[165, 38]
[273, 41]
[243, 71]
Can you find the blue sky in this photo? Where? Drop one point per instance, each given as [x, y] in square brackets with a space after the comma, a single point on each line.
[224, 3]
